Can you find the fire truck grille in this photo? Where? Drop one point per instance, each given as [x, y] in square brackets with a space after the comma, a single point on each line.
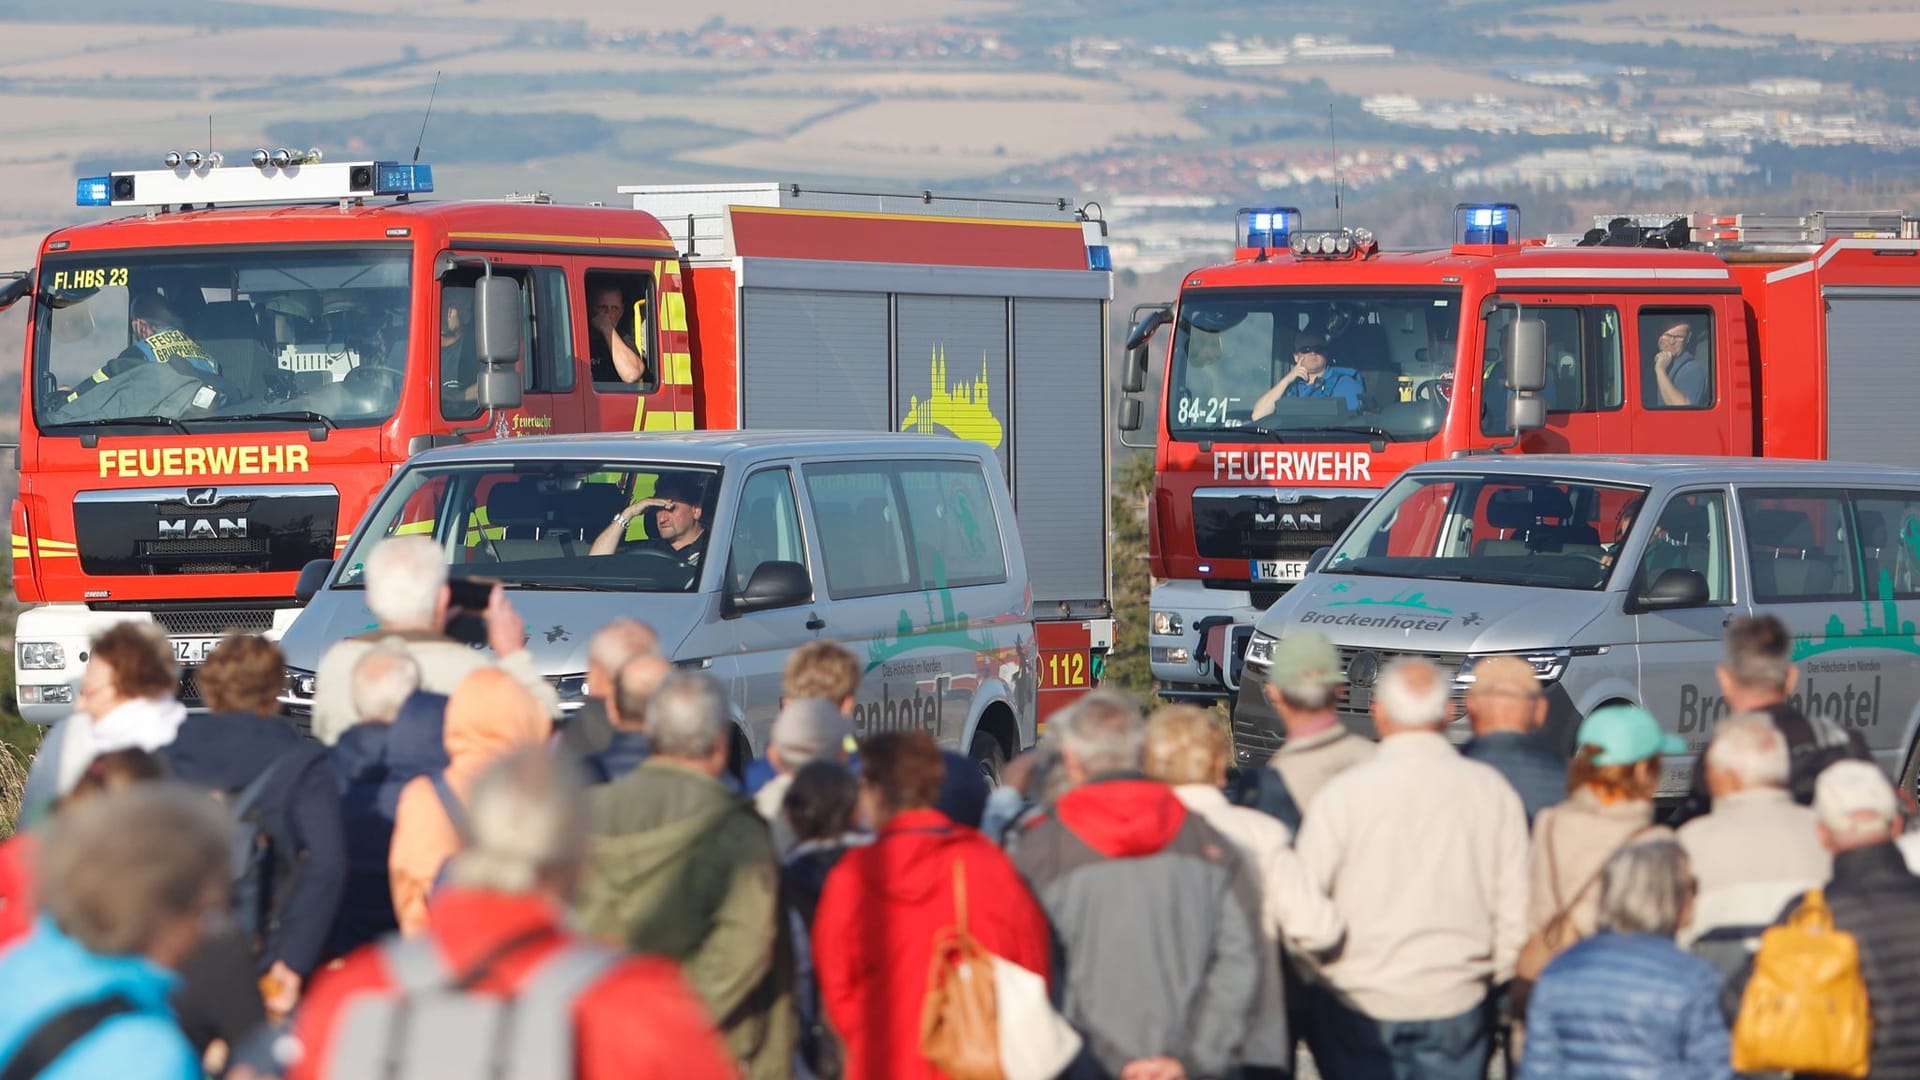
[236, 548]
[1256, 525]
[212, 623]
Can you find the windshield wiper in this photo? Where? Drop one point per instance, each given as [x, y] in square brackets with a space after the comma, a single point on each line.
[1344, 429]
[1203, 433]
[549, 586]
[303, 416]
[152, 420]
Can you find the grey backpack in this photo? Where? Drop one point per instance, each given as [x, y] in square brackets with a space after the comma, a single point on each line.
[433, 1026]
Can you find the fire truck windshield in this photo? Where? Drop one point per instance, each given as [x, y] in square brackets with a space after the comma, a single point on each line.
[1335, 364]
[256, 335]
[562, 525]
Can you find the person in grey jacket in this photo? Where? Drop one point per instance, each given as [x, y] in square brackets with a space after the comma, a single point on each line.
[406, 584]
[1117, 860]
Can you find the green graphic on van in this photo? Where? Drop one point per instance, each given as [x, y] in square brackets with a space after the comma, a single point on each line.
[1404, 599]
[1892, 632]
[948, 630]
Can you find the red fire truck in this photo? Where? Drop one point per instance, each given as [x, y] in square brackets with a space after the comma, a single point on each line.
[216, 385]
[1312, 369]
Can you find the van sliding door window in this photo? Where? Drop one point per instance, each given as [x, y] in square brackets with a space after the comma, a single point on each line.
[858, 513]
[956, 535]
[1888, 524]
[1800, 546]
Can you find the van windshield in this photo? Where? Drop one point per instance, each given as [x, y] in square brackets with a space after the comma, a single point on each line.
[560, 525]
[1507, 530]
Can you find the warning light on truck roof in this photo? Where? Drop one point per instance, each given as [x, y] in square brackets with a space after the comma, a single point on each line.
[1265, 227]
[1485, 223]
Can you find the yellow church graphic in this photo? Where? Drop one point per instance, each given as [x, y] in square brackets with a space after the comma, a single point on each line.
[963, 408]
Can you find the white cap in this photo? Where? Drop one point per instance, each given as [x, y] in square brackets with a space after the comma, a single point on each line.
[809, 729]
[1854, 798]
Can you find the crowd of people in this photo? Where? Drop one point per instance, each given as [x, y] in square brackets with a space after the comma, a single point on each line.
[448, 877]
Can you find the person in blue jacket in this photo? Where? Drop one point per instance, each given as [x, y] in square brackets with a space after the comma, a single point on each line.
[1627, 1003]
[130, 882]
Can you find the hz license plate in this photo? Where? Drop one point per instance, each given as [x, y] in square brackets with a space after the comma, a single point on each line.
[1279, 570]
[193, 650]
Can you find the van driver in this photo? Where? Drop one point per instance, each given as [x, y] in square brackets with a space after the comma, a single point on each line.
[678, 528]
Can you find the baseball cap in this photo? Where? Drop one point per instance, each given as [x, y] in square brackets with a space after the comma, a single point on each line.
[1626, 735]
[1504, 675]
[809, 728]
[1305, 657]
[1848, 791]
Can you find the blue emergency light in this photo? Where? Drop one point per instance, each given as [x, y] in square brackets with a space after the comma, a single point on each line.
[93, 191]
[390, 178]
[1485, 223]
[1266, 227]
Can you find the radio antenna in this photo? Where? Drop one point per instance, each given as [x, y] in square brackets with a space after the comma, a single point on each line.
[431, 94]
[209, 136]
[1333, 150]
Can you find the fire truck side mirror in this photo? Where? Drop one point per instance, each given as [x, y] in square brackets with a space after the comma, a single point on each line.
[1527, 356]
[1526, 412]
[1134, 379]
[498, 317]
[1130, 414]
[13, 289]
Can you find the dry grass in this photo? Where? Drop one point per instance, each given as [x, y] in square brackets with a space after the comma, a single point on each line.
[13, 785]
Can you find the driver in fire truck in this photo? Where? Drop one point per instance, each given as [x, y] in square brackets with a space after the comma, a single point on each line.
[155, 337]
[1313, 375]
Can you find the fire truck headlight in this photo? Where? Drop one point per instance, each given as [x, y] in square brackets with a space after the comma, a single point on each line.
[42, 656]
[1166, 622]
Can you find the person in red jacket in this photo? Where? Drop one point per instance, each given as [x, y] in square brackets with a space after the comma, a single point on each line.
[528, 837]
[873, 931]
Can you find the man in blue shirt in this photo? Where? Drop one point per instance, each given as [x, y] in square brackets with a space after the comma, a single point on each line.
[1313, 376]
[1680, 375]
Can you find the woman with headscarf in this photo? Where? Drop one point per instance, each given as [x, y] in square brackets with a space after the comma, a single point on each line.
[489, 716]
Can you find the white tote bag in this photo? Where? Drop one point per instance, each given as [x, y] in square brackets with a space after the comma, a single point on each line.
[1036, 1042]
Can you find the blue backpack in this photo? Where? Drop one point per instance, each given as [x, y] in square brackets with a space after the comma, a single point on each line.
[265, 861]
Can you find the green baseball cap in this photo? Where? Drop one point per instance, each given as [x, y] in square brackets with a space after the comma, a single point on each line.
[1626, 734]
[1305, 657]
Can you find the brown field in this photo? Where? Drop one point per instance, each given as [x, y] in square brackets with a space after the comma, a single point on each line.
[552, 61]
[249, 54]
[1686, 12]
[1613, 34]
[1841, 28]
[660, 14]
[898, 83]
[72, 43]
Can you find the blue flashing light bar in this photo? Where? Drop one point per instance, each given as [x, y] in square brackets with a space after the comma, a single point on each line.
[1266, 228]
[93, 191]
[390, 178]
[1485, 223]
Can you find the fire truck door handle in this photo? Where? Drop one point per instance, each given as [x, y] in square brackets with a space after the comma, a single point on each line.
[815, 622]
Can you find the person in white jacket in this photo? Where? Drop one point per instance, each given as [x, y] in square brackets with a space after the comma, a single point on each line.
[128, 700]
[406, 581]
[1188, 749]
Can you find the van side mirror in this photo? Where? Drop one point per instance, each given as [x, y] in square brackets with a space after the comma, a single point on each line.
[312, 577]
[1527, 356]
[1318, 559]
[774, 584]
[1130, 414]
[1677, 587]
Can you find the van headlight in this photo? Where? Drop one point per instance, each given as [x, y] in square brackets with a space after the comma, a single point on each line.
[570, 689]
[1260, 651]
[1548, 664]
[300, 686]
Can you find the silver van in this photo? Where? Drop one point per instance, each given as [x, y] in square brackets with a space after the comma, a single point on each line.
[902, 547]
[1615, 578]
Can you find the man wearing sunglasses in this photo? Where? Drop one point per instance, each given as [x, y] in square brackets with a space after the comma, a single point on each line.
[678, 526]
[1313, 376]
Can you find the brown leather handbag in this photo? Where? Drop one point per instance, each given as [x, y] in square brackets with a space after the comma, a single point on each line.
[1555, 935]
[960, 1018]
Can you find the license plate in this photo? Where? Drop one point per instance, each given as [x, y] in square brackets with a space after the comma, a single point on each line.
[193, 650]
[1279, 570]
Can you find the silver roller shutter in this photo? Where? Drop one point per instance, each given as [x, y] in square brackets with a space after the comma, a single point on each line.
[1059, 443]
[1873, 376]
[814, 359]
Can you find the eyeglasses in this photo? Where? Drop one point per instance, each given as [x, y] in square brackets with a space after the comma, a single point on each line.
[1674, 334]
[1310, 350]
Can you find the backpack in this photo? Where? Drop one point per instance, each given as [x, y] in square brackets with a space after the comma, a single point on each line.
[1805, 1007]
[960, 1016]
[434, 1026]
[264, 858]
[456, 815]
[1813, 743]
[45, 1044]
